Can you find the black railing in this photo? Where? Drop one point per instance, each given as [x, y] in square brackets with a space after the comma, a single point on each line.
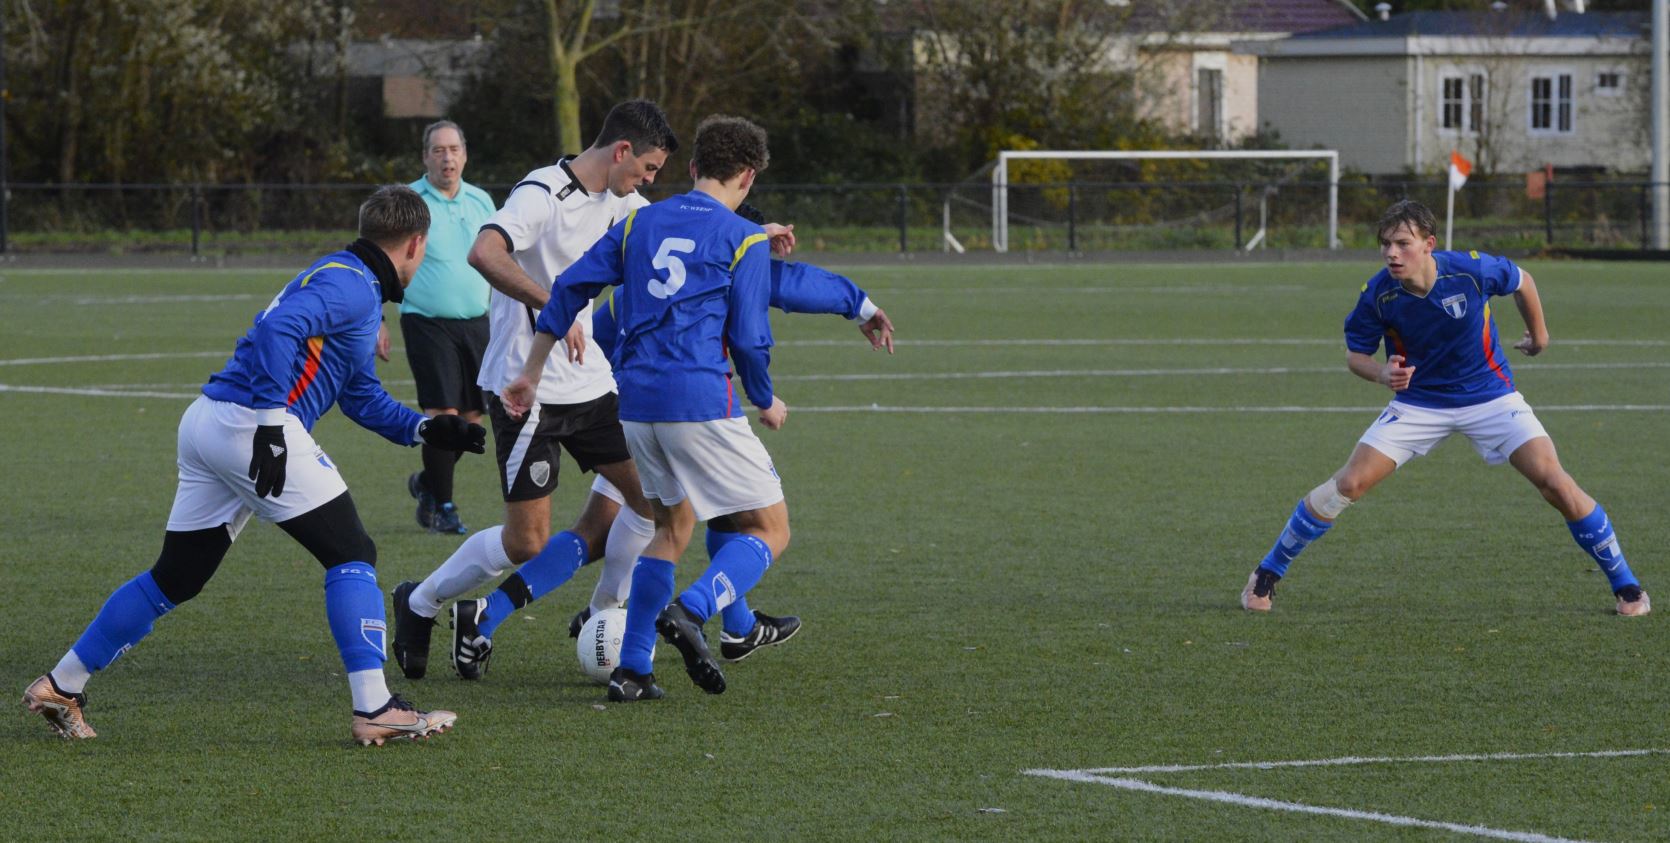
[1081, 216]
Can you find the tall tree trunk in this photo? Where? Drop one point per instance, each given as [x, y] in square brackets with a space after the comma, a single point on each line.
[69, 107]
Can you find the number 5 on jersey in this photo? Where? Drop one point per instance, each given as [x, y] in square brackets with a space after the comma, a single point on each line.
[667, 258]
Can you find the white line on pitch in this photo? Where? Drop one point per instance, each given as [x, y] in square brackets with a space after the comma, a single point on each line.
[111, 358]
[1301, 808]
[1351, 760]
[97, 393]
[1174, 341]
[1160, 372]
[877, 408]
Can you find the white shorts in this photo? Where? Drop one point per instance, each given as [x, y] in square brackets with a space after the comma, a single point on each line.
[602, 486]
[214, 447]
[1496, 428]
[720, 465]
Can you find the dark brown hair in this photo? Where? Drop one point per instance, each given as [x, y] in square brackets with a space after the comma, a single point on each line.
[640, 121]
[1408, 212]
[393, 214]
[725, 146]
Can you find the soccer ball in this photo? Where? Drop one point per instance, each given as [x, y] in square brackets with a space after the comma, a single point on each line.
[598, 646]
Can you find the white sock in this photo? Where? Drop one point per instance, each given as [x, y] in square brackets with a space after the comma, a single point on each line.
[628, 537]
[70, 674]
[480, 559]
[369, 690]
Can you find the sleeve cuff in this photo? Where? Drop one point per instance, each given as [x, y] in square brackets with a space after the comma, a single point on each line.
[272, 416]
[866, 310]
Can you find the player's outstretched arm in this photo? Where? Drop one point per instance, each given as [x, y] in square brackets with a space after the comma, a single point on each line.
[1530, 309]
[878, 329]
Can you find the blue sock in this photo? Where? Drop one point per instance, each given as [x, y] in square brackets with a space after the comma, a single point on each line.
[1302, 529]
[539, 576]
[354, 608]
[652, 587]
[1594, 534]
[125, 618]
[737, 619]
[735, 569]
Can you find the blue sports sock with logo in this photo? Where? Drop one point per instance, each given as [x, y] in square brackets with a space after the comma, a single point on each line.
[737, 619]
[354, 608]
[1302, 529]
[539, 576]
[736, 568]
[652, 587]
[125, 618]
[1594, 534]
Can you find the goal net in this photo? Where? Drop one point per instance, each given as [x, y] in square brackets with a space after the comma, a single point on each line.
[1154, 199]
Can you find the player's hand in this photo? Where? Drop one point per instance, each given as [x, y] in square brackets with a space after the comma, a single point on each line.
[452, 433]
[519, 396]
[383, 341]
[1532, 345]
[774, 416]
[575, 343]
[1395, 375]
[266, 462]
[782, 239]
[878, 329]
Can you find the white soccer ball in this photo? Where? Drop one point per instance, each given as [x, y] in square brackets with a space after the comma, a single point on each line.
[598, 646]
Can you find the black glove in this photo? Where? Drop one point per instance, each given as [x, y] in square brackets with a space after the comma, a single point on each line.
[266, 464]
[452, 433]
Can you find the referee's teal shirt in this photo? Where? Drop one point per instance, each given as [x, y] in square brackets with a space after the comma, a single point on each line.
[446, 286]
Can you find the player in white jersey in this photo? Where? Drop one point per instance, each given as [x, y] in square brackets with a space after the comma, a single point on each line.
[548, 222]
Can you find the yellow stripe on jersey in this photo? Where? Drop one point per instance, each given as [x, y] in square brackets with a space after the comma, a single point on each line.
[331, 265]
[628, 232]
[607, 300]
[1474, 254]
[751, 240]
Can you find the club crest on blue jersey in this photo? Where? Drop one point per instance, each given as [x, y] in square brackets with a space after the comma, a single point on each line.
[1456, 305]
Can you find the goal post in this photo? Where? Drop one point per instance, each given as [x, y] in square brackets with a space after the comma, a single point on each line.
[1000, 176]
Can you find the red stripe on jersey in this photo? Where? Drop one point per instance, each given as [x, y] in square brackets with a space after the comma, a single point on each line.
[310, 369]
[1397, 343]
[730, 384]
[1489, 356]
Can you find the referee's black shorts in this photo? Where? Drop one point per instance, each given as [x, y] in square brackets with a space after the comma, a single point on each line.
[445, 355]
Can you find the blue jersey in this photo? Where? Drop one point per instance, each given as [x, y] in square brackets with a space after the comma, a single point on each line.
[1448, 335]
[695, 290]
[795, 288]
[313, 347]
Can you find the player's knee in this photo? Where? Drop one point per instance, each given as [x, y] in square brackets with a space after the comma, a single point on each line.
[188, 560]
[1331, 498]
[333, 533]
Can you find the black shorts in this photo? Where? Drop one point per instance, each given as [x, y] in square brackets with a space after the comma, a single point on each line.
[445, 356]
[527, 448]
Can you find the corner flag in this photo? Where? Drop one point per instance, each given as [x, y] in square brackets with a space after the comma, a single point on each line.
[1460, 169]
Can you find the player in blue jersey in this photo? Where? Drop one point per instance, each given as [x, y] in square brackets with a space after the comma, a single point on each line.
[695, 291]
[1447, 370]
[795, 288]
[245, 447]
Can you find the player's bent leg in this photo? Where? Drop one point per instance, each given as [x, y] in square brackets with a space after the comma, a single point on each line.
[1585, 518]
[1312, 517]
[743, 630]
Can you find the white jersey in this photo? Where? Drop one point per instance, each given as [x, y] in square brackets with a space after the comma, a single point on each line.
[550, 220]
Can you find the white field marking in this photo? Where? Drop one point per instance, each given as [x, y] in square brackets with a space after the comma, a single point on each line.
[110, 358]
[108, 300]
[1099, 776]
[1300, 808]
[1185, 289]
[1132, 373]
[878, 408]
[1173, 341]
[1351, 760]
[96, 393]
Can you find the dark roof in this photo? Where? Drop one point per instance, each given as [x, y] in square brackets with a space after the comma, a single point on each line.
[1289, 15]
[1506, 23]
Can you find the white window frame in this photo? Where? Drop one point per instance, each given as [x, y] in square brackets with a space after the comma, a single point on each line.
[1553, 75]
[1618, 90]
[1471, 107]
[1220, 63]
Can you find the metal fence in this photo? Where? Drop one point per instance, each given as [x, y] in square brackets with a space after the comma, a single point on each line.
[1080, 216]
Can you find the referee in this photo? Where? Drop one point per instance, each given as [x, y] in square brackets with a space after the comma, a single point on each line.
[444, 317]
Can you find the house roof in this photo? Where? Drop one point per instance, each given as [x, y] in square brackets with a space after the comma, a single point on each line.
[1495, 24]
[1291, 15]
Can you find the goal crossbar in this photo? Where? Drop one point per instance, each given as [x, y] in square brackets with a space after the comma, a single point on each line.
[1000, 176]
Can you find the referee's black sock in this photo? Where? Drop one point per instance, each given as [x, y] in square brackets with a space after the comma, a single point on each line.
[438, 464]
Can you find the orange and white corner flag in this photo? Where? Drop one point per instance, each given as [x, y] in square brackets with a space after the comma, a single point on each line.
[1460, 169]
